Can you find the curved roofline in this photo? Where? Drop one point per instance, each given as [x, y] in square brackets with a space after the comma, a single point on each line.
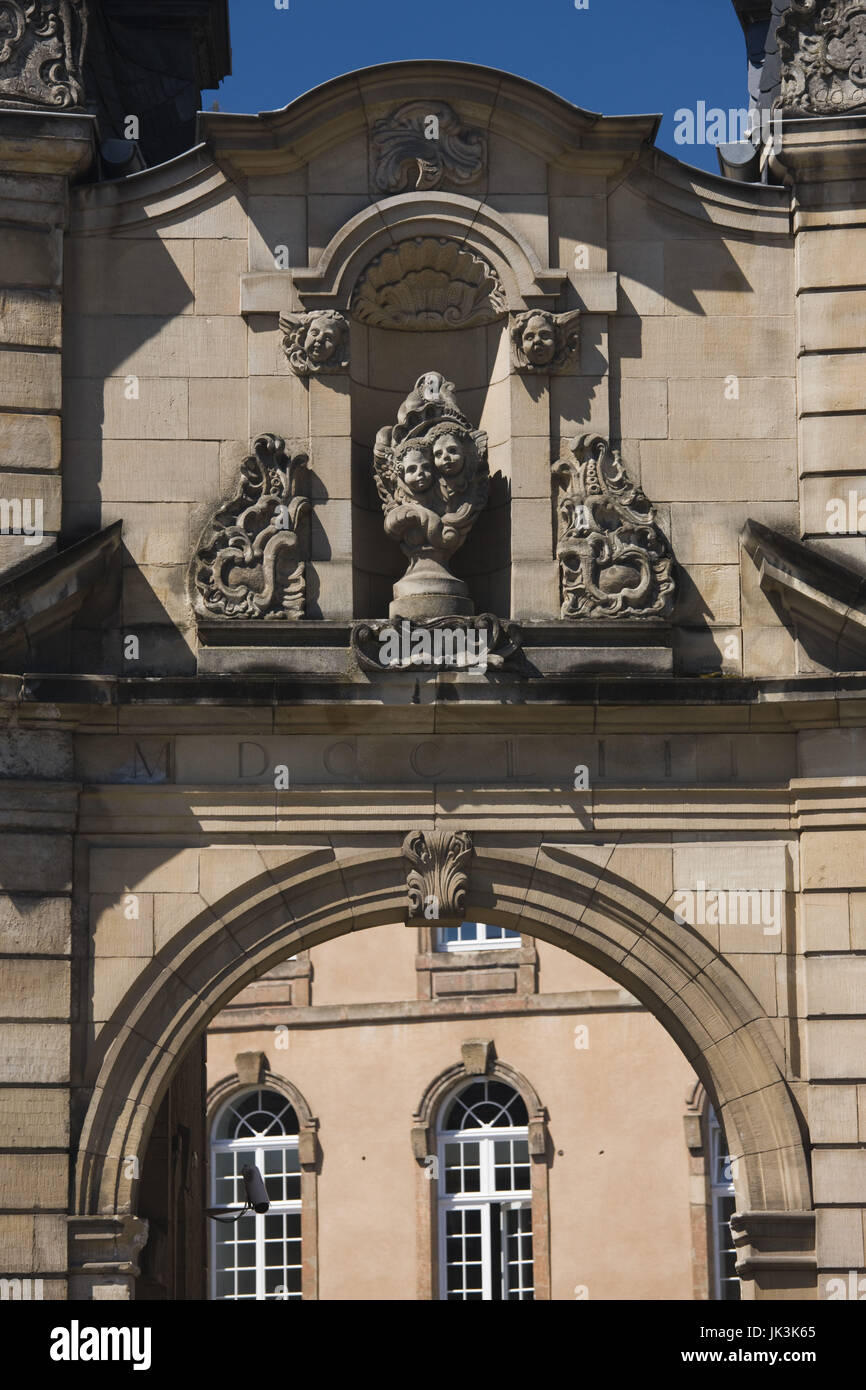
[453, 63]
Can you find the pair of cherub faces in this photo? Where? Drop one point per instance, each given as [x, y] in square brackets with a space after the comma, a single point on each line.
[420, 463]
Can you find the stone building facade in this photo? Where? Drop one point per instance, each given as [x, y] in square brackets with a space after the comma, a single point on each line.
[430, 365]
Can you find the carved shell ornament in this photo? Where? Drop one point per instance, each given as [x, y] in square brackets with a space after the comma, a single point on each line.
[437, 883]
[249, 563]
[822, 44]
[428, 283]
[420, 144]
[614, 560]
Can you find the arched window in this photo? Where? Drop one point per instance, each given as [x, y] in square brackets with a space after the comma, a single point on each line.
[723, 1205]
[257, 1257]
[485, 1207]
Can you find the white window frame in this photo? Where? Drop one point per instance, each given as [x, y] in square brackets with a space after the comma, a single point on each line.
[256, 1145]
[508, 943]
[721, 1189]
[483, 1200]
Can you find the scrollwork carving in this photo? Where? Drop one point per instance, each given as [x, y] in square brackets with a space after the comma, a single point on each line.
[438, 881]
[614, 560]
[250, 562]
[823, 49]
[422, 143]
[41, 48]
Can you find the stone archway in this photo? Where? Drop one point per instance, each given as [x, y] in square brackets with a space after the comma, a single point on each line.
[564, 894]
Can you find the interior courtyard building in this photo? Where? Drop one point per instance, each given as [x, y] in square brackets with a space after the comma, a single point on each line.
[433, 678]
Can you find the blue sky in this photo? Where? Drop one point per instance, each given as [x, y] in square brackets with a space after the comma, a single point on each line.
[618, 56]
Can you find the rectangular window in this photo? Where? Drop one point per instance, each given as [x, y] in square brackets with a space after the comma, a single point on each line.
[476, 936]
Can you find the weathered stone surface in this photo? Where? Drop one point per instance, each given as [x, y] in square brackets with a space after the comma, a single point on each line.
[34, 1244]
[34, 1118]
[29, 441]
[34, 1182]
[34, 925]
[34, 989]
[35, 863]
[34, 1052]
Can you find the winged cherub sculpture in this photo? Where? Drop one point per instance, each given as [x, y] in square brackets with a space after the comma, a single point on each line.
[432, 477]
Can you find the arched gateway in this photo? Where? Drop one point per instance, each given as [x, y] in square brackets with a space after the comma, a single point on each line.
[440, 535]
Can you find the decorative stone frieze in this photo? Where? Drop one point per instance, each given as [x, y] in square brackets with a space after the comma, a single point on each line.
[544, 342]
[250, 561]
[41, 51]
[823, 49]
[422, 143]
[428, 283]
[437, 882]
[449, 643]
[316, 343]
[614, 559]
[432, 477]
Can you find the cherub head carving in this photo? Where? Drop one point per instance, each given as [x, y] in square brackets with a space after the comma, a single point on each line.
[544, 342]
[414, 468]
[316, 342]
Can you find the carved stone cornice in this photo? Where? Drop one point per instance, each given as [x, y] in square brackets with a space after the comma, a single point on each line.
[41, 53]
[422, 144]
[614, 560]
[820, 597]
[437, 882]
[250, 562]
[822, 44]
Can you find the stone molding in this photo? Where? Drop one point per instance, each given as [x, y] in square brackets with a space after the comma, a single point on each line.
[818, 595]
[775, 1249]
[437, 882]
[614, 560]
[428, 284]
[41, 53]
[421, 144]
[542, 342]
[104, 1253]
[250, 561]
[316, 343]
[485, 231]
[450, 1081]
[822, 44]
